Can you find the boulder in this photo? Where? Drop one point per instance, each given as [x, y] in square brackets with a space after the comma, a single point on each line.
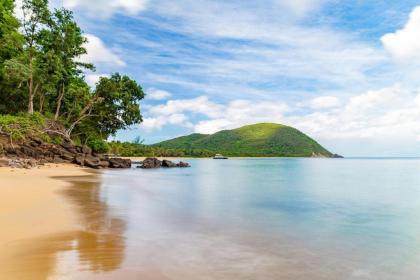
[86, 150]
[183, 164]
[168, 163]
[4, 162]
[67, 156]
[104, 164]
[150, 163]
[119, 163]
[36, 141]
[79, 160]
[91, 162]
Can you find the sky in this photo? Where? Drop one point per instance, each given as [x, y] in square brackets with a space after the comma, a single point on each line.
[347, 73]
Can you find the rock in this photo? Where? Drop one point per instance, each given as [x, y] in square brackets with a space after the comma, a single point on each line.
[168, 163]
[67, 156]
[28, 151]
[150, 163]
[4, 162]
[9, 149]
[119, 163]
[104, 164]
[91, 162]
[36, 141]
[79, 159]
[86, 150]
[337, 156]
[183, 164]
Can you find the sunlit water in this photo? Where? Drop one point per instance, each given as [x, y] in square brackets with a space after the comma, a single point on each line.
[246, 219]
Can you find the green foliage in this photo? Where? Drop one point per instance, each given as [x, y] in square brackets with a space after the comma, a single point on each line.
[40, 71]
[98, 145]
[259, 140]
[127, 149]
[18, 127]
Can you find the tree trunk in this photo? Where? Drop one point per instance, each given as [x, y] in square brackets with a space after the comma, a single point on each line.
[86, 111]
[31, 85]
[41, 102]
[60, 99]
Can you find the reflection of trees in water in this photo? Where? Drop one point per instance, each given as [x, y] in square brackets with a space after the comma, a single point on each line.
[99, 245]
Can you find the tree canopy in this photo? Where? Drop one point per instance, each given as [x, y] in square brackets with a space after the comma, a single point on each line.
[41, 71]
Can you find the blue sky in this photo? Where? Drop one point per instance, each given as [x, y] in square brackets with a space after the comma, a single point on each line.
[344, 72]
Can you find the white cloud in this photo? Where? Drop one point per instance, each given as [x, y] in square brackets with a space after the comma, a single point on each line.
[323, 102]
[104, 9]
[157, 94]
[404, 44]
[387, 114]
[98, 53]
[92, 79]
[218, 116]
[200, 105]
[300, 7]
[158, 122]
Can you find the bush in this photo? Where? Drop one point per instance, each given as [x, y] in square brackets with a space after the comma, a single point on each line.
[18, 127]
[98, 145]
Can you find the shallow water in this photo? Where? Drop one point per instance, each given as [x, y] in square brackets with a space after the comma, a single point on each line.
[241, 219]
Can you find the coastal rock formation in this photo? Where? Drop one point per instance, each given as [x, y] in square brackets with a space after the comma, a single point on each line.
[168, 163]
[150, 163]
[183, 164]
[34, 151]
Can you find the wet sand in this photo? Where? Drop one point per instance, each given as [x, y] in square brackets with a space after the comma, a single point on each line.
[31, 208]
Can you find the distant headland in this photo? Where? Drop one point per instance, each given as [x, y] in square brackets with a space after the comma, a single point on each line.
[256, 140]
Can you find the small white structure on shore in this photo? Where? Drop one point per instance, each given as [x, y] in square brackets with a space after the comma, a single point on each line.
[219, 156]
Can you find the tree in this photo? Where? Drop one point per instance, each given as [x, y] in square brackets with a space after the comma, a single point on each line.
[114, 105]
[35, 16]
[65, 42]
[11, 42]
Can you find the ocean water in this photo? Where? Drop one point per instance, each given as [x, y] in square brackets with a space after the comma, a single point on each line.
[248, 219]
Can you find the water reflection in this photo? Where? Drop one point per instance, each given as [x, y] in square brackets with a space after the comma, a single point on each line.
[98, 247]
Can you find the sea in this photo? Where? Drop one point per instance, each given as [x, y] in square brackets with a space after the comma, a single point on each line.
[256, 218]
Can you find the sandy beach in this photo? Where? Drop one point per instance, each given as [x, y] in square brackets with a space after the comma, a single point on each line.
[31, 207]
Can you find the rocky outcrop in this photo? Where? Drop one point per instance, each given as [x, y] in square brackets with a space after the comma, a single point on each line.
[183, 164]
[150, 163]
[168, 163]
[119, 163]
[35, 151]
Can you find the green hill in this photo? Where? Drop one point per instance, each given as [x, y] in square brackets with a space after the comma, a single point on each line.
[257, 140]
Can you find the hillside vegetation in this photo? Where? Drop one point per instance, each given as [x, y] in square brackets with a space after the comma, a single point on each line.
[258, 140]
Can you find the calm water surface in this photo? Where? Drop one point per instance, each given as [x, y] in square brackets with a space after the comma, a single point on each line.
[246, 219]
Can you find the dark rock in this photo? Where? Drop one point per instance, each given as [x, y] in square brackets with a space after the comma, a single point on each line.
[67, 156]
[9, 149]
[168, 163]
[183, 164]
[91, 162]
[337, 156]
[28, 151]
[79, 159]
[119, 163]
[36, 141]
[150, 163]
[86, 150]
